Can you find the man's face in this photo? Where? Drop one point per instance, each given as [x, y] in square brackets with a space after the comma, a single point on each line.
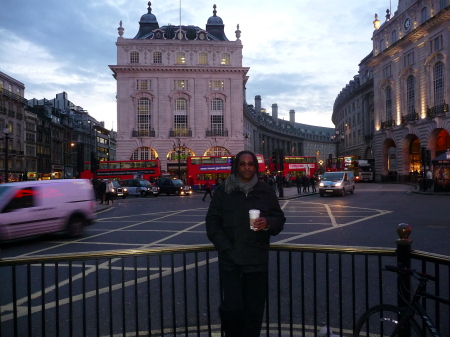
[246, 168]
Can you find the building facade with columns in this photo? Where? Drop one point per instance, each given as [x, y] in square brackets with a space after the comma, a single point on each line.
[353, 115]
[266, 133]
[411, 89]
[179, 89]
[181, 92]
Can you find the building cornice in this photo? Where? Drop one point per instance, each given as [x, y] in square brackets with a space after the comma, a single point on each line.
[419, 32]
[188, 69]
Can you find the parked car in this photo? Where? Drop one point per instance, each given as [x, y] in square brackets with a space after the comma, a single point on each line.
[118, 191]
[30, 208]
[139, 187]
[173, 186]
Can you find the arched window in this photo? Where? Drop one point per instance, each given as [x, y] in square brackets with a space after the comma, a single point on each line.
[410, 94]
[216, 119]
[438, 83]
[134, 57]
[144, 153]
[144, 117]
[180, 118]
[388, 103]
[394, 36]
[424, 14]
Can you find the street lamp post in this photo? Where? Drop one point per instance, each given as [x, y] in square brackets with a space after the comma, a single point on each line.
[6, 132]
[177, 148]
[65, 158]
[337, 139]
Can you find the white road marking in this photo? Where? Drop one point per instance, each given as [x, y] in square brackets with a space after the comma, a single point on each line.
[22, 310]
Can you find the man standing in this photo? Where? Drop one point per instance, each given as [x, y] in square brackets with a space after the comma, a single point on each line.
[243, 252]
[208, 188]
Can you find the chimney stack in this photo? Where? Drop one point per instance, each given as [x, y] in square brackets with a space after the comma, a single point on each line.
[275, 113]
[258, 105]
[292, 116]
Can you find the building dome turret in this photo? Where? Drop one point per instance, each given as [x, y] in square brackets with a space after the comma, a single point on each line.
[147, 24]
[215, 26]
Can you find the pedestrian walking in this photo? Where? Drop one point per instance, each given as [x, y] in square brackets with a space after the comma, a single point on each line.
[109, 191]
[102, 191]
[305, 183]
[298, 182]
[313, 181]
[243, 251]
[208, 189]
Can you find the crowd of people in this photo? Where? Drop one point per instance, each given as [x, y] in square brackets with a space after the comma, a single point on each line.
[303, 183]
[103, 191]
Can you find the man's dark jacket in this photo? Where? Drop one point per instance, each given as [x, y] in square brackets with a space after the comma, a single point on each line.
[228, 226]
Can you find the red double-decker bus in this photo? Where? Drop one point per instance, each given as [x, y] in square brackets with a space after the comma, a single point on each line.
[201, 168]
[346, 163]
[126, 169]
[296, 166]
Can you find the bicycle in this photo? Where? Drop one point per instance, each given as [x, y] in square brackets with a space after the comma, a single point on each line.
[390, 320]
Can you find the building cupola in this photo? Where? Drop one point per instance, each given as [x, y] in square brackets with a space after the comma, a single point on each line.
[147, 24]
[215, 26]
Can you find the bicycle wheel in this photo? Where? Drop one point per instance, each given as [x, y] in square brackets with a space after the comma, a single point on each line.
[382, 320]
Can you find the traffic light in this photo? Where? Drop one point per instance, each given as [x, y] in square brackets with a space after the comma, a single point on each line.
[94, 163]
[423, 154]
[80, 158]
[281, 159]
[274, 157]
[428, 158]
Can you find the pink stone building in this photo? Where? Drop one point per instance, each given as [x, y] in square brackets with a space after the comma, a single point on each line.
[180, 92]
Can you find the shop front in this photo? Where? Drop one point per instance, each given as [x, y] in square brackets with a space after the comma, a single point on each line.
[441, 172]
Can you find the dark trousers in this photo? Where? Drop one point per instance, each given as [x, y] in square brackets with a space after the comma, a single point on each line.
[244, 299]
[208, 191]
[299, 188]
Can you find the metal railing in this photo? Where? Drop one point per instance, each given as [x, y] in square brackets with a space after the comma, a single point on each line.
[176, 292]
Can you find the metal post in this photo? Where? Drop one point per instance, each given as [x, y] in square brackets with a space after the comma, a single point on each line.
[403, 260]
[6, 131]
[179, 161]
[64, 164]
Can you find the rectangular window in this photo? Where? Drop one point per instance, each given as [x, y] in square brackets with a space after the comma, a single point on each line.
[225, 59]
[180, 122]
[436, 44]
[1, 84]
[180, 84]
[203, 58]
[181, 58]
[143, 84]
[409, 59]
[387, 71]
[216, 85]
[443, 4]
[134, 57]
[217, 124]
[157, 57]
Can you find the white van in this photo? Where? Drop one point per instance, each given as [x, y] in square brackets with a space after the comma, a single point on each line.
[339, 183]
[36, 207]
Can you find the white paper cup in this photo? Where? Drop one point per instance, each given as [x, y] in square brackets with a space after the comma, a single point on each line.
[254, 214]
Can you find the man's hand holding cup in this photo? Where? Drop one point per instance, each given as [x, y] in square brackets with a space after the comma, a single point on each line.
[256, 223]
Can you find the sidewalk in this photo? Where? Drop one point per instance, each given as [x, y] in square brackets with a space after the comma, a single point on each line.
[291, 193]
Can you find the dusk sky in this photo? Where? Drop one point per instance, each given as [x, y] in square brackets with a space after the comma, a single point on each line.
[301, 53]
